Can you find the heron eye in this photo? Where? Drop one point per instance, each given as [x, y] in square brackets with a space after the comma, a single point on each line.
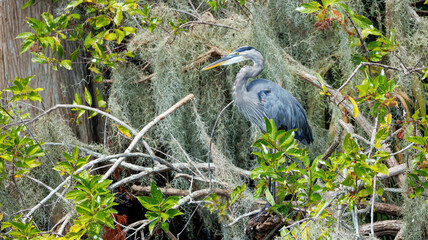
[236, 53]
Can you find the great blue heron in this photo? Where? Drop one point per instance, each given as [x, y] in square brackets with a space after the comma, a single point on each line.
[262, 98]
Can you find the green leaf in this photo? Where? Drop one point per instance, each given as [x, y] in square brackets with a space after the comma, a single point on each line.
[173, 212]
[370, 31]
[152, 225]
[129, 30]
[88, 97]
[419, 191]
[164, 226]
[309, 7]
[316, 197]
[156, 193]
[374, 44]
[120, 35]
[110, 37]
[417, 139]
[269, 197]
[75, 54]
[26, 45]
[66, 63]
[77, 99]
[101, 21]
[38, 59]
[118, 18]
[28, 3]
[123, 130]
[327, 3]
[362, 22]
[25, 35]
[149, 203]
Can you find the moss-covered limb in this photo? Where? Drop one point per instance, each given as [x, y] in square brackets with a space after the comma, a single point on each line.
[382, 228]
[145, 129]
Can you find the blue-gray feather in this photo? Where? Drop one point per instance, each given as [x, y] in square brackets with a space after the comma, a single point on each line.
[278, 104]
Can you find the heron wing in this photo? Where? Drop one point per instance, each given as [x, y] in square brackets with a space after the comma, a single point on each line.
[282, 107]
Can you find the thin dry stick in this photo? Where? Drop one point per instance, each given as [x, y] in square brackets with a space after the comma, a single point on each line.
[194, 9]
[364, 64]
[191, 23]
[243, 216]
[423, 53]
[327, 204]
[187, 157]
[145, 129]
[45, 186]
[211, 139]
[372, 207]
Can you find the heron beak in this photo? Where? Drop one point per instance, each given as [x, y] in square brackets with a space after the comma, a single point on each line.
[227, 60]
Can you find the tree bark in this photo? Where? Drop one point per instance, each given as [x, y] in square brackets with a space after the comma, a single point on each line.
[59, 86]
[382, 228]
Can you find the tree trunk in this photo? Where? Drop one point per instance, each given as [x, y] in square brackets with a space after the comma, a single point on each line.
[59, 86]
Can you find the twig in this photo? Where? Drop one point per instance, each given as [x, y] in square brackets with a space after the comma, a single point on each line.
[355, 219]
[333, 146]
[327, 204]
[146, 78]
[191, 23]
[364, 64]
[46, 186]
[402, 150]
[346, 126]
[33, 137]
[145, 129]
[359, 35]
[194, 9]
[186, 12]
[61, 229]
[54, 191]
[187, 157]
[423, 53]
[243, 216]
[183, 175]
[211, 138]
[372, 207]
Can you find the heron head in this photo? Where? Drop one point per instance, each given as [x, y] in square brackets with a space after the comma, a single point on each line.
[239, 55]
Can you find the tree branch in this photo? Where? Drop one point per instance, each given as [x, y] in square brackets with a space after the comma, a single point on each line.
[145, 129]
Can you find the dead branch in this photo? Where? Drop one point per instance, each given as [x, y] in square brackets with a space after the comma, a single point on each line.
[189, 177]
[214, 51]
[141, 190]
[382, 228]
[191, 23]
[146, 78]
[145, 129]
[333, 146]
[385, 208]
[162, 168]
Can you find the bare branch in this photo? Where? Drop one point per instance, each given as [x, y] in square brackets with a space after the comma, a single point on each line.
[243, 216]
[145, 129]
[191, 23]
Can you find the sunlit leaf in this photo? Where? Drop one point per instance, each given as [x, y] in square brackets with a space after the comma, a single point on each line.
[355, 107]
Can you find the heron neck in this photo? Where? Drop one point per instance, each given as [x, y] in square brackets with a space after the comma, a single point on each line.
[244, 74]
